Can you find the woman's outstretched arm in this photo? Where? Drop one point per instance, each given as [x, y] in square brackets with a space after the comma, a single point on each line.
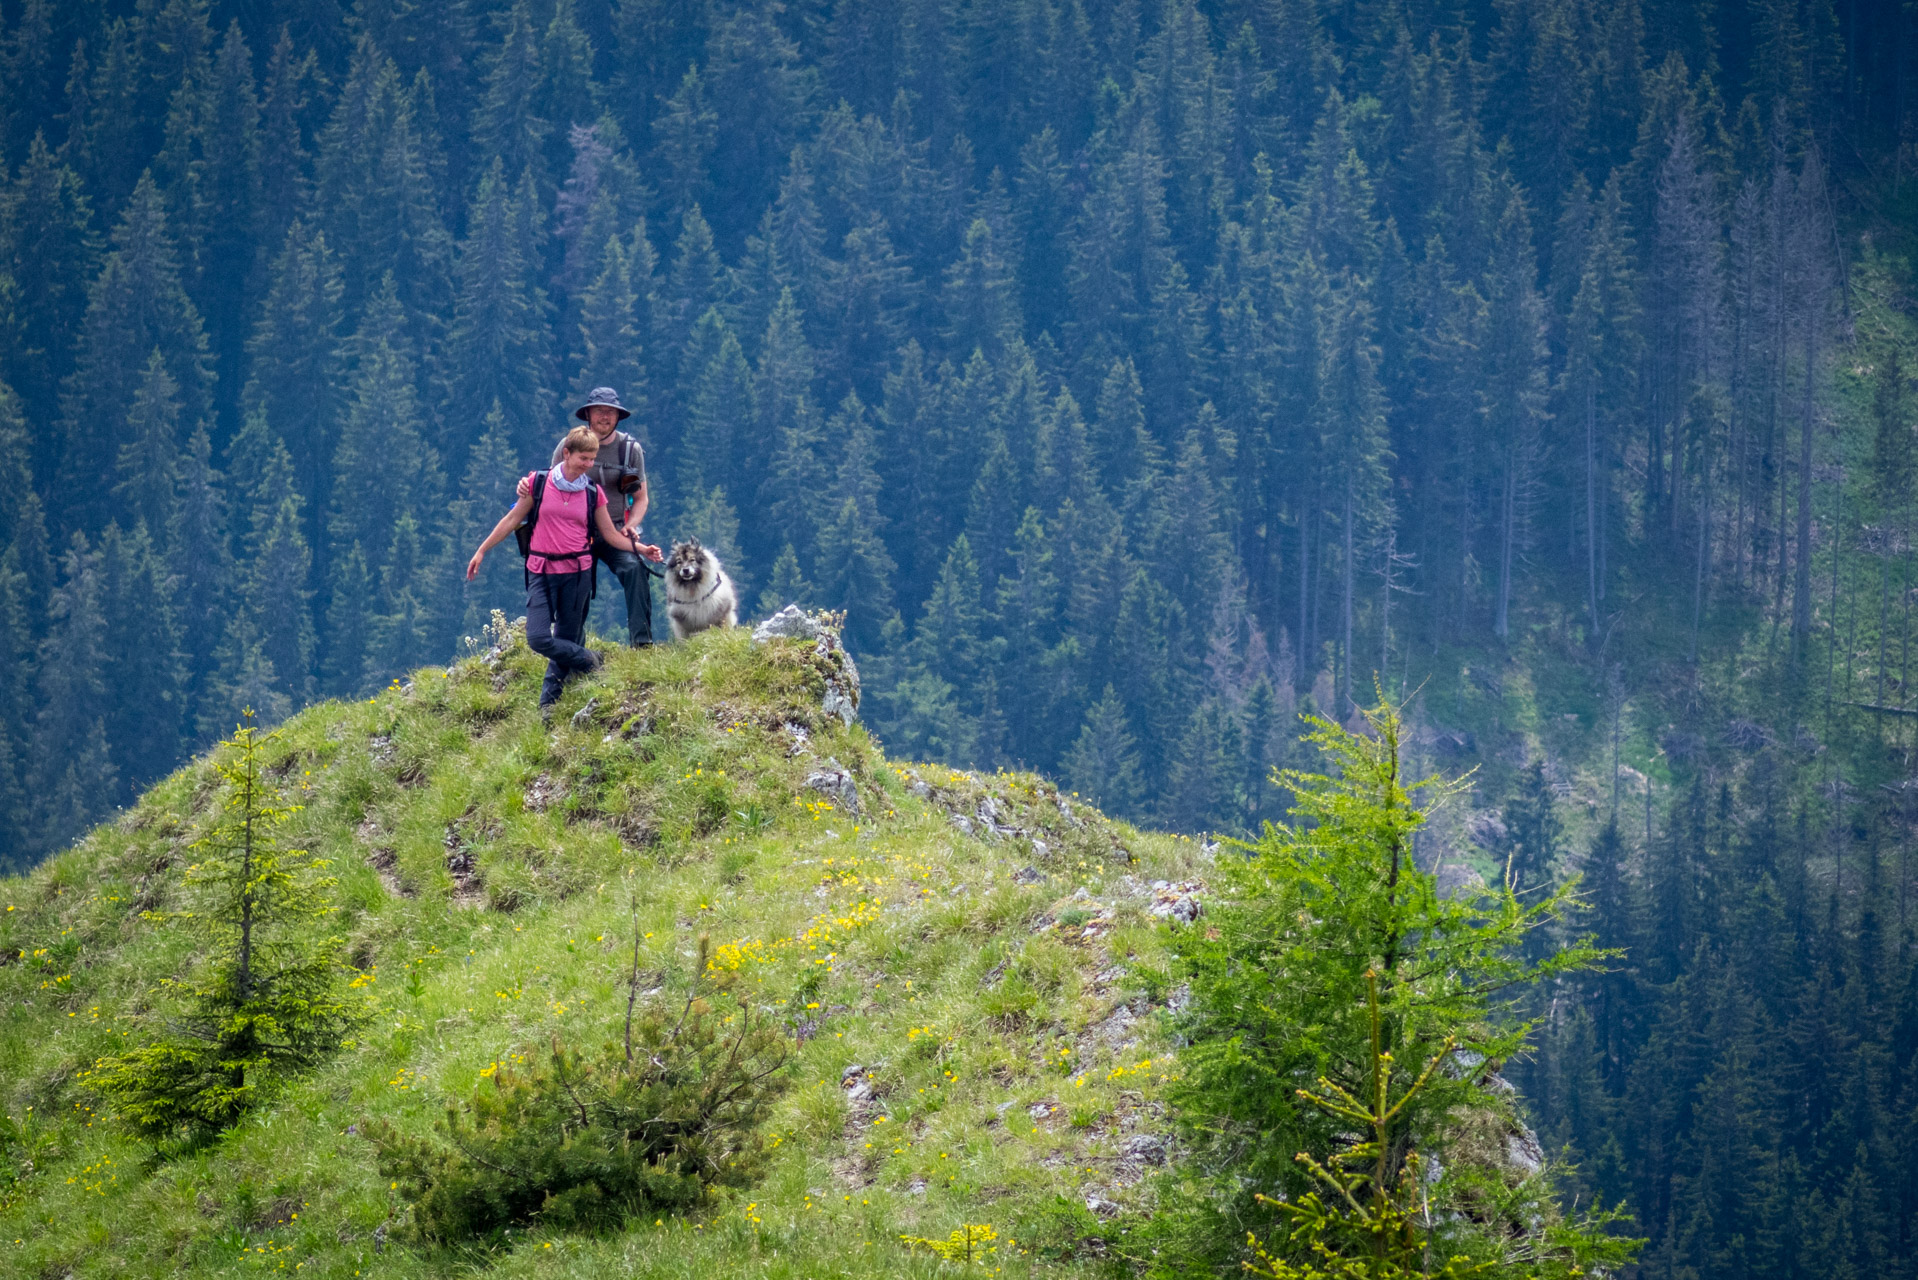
[507, 523]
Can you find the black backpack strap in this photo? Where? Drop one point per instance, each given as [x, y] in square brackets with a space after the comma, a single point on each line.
[592, 570]
[524, 534]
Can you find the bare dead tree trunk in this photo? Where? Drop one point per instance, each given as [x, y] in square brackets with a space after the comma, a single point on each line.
[1801, 582]
[1305, 592]
[243, 976]
[1385, 607]
[1775, 398]
[1704, 553]
[1345, 605]
[1831, 652]
[1591, 504]
[1501, 623]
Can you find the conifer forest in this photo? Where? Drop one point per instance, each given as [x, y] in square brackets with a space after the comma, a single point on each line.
[1136, 375]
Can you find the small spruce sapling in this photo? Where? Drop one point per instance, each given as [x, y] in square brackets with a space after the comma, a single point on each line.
[1334, 976]
[267, 1000]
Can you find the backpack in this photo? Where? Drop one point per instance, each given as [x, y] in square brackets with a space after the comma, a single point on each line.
[524, 534]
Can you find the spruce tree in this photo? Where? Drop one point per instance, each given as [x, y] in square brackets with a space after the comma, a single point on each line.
[853, 572]
[869, 291]
[568, 94]
[484, 495]
[1125, 453]
[719, 405]
[16, 463]
[404, 630]
[279, 601]
[992, 508]
[1148, 645]
[786, 584]
[508, 127]
[349, 618]
[1201, 794]
[794, 489]
[268, 1000]
[295, 365]
[147, 465]
[684, 134]
[145, 713]
[400, 226]
[612, 319]
[782, 381]
[1412, 977]
[1103, 762]
[602, 196]
[1514, 391]
[51, 251]
[285, 174]
[138, 306]
[797, 232]
[382, 467]
[211, 164]
[499, 345]
[1531, 832]
[1026, 602]
[946, 650]
[981, 299]
[755, 69]
[18, 842]
[29, 56]
[199, 559]
[928, 708]
[73, 779]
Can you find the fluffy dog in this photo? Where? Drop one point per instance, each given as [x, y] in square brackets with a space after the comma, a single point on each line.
[698, 592]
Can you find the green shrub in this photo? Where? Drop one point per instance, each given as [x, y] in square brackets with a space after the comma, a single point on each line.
[579, 1143]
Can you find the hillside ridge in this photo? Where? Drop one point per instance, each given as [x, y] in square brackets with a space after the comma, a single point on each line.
[969, 965]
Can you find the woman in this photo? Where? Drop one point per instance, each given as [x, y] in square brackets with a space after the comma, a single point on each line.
[559, 566]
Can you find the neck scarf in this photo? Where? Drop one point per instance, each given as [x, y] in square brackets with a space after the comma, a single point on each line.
[557, 477]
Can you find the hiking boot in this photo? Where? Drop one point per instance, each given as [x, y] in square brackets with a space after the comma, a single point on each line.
[595, 660]
[547, 710]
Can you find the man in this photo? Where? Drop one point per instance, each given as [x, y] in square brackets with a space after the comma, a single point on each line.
[620, 472]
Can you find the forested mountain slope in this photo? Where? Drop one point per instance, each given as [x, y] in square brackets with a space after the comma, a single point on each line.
[1138, 374]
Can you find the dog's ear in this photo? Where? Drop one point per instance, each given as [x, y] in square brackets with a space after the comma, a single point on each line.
[693, 544]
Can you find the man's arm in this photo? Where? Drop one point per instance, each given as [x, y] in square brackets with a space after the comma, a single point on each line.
[525, 488]
[604, 523]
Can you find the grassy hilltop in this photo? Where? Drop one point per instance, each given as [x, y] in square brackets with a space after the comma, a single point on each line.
[983, 947]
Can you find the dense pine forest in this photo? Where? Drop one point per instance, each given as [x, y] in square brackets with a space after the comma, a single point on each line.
[1135, 375]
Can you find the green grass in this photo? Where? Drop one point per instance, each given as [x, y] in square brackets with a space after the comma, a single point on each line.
[1004, 1045]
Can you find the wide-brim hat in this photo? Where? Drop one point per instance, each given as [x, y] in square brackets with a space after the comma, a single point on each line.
[606, 396]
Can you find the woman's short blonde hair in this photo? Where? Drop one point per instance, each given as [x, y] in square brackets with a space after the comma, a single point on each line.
[582, 440]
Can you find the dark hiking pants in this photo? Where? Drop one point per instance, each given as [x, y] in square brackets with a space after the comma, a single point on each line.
[637, 582]
[556, 605]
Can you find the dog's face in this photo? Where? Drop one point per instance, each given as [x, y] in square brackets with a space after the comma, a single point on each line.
[688, 562]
